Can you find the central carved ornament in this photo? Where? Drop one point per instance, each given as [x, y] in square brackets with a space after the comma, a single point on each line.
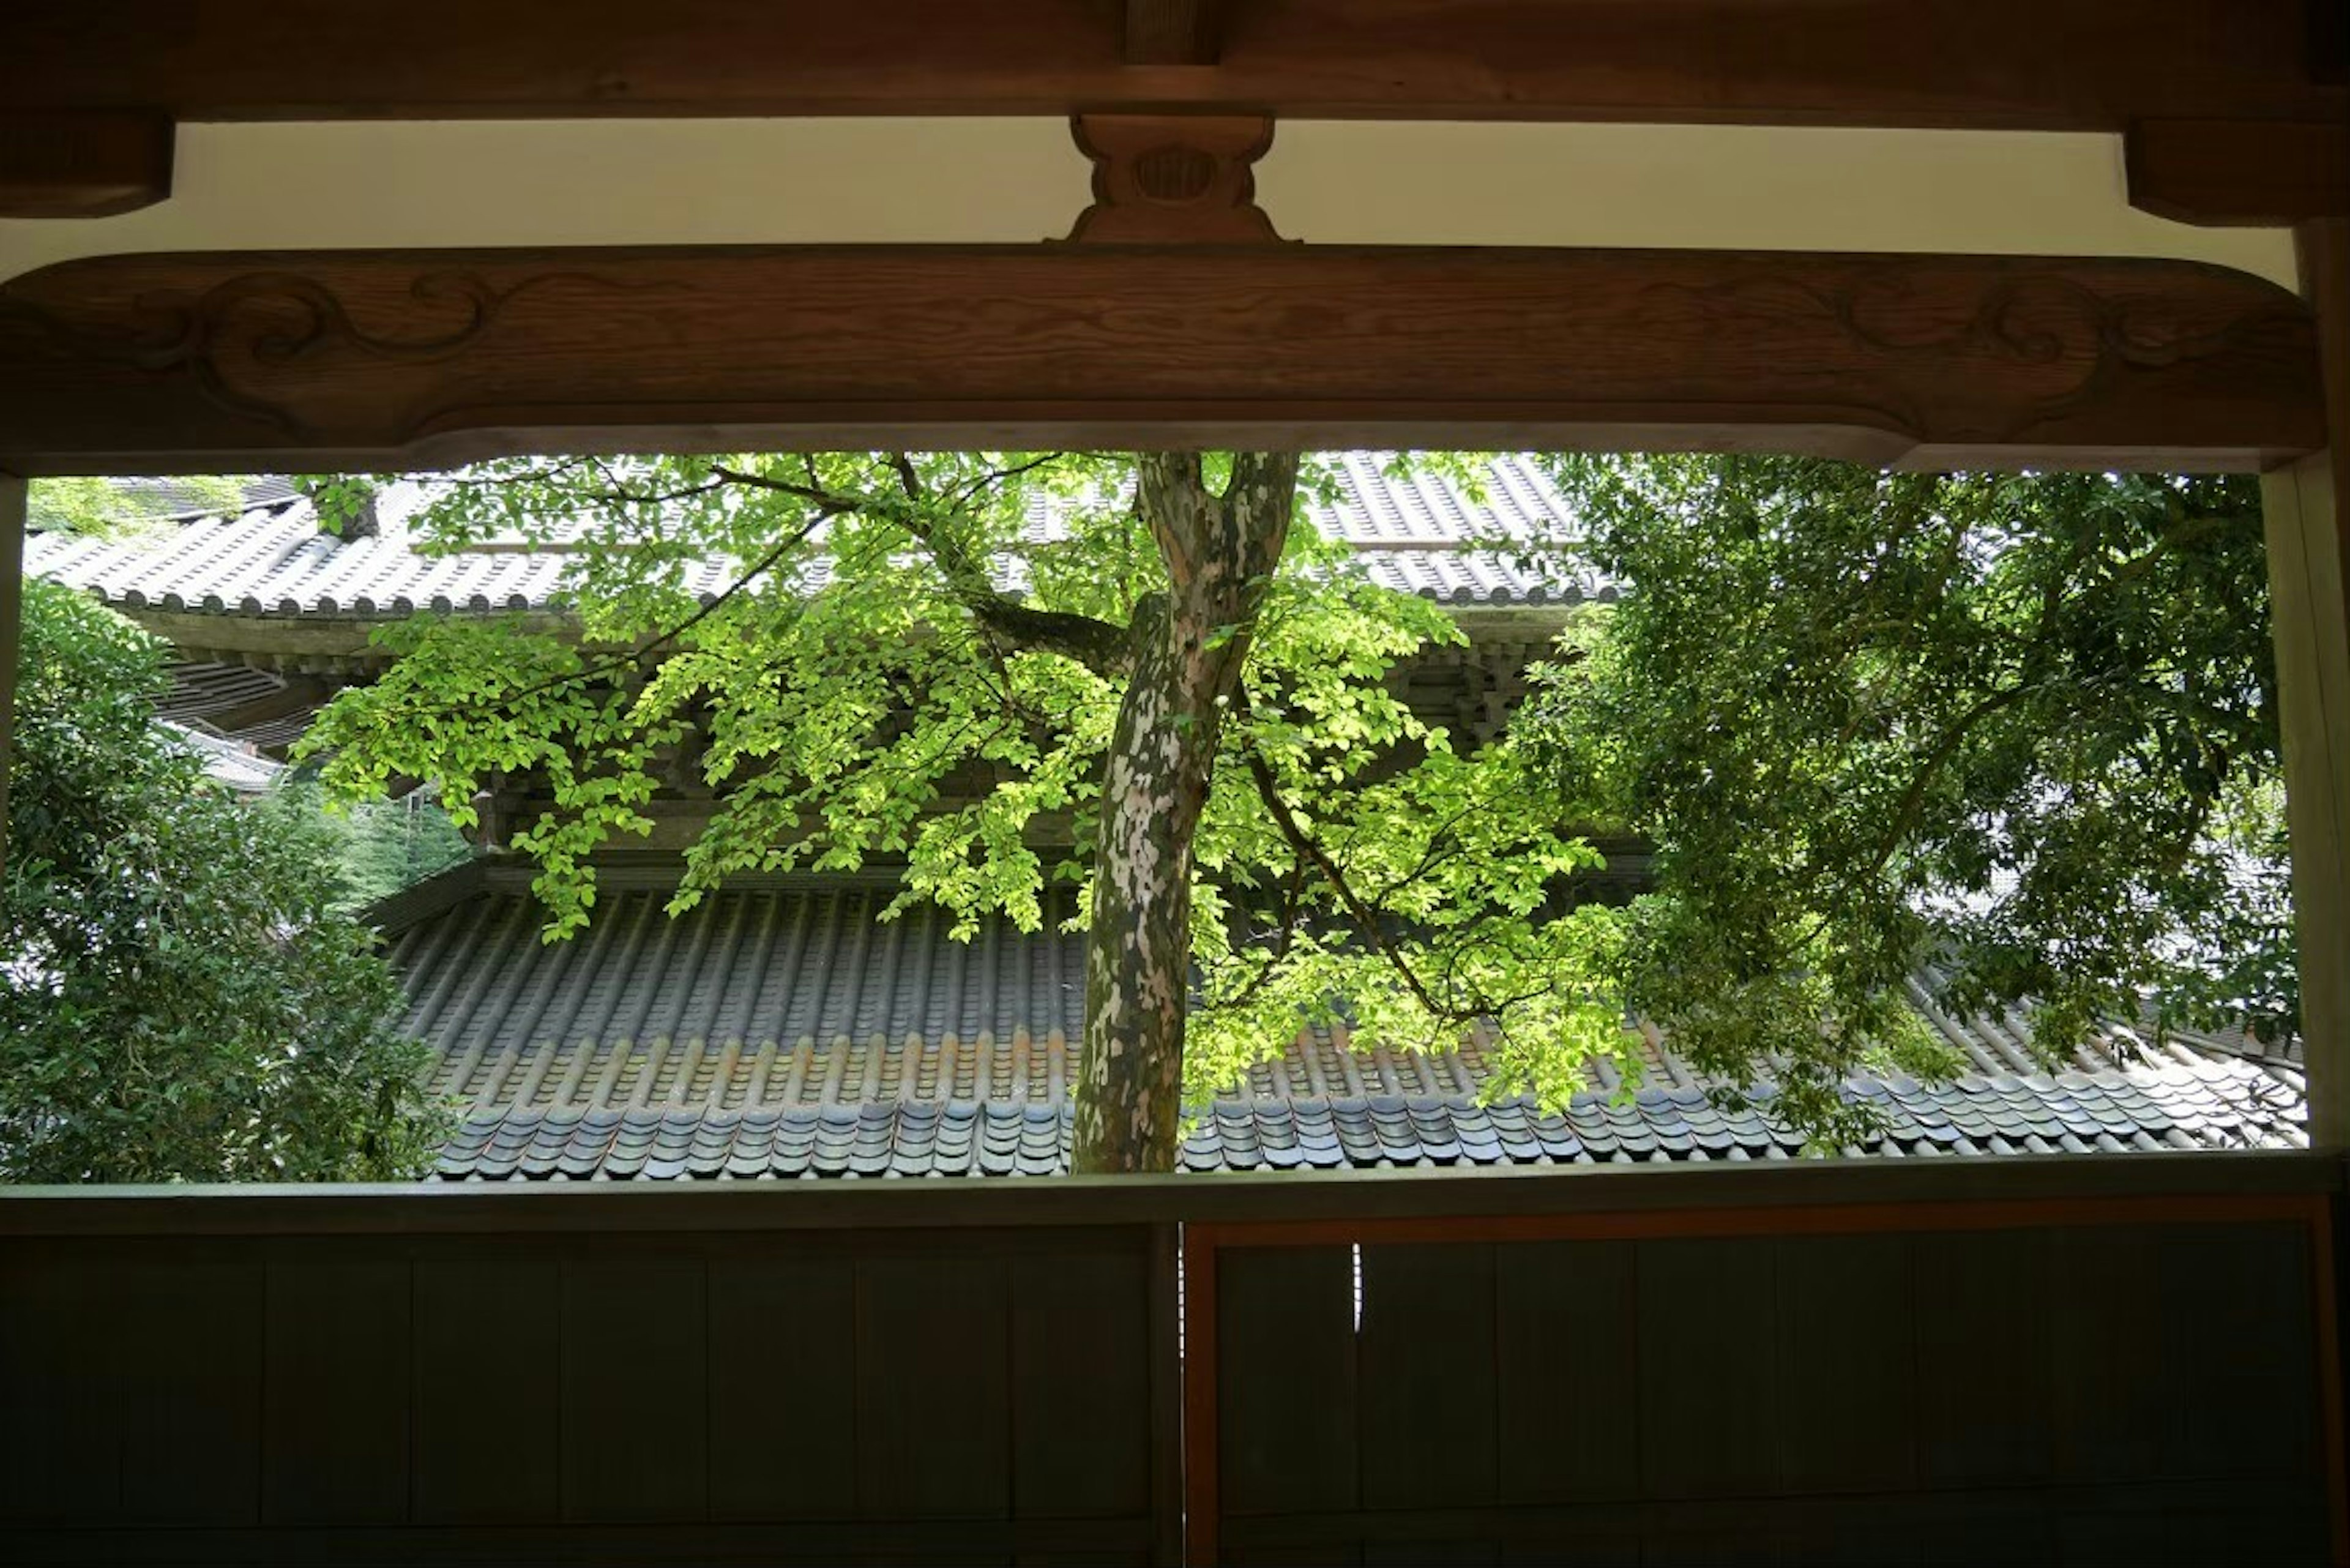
[1173, 179]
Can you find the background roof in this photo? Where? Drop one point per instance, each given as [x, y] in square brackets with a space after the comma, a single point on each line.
[781, 1029]
[274, 560]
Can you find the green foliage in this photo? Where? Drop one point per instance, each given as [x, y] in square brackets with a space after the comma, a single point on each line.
[87, 504]
[2021, 729]
[376, 847]
[340, 500]
[893, 671]
[179, 1003]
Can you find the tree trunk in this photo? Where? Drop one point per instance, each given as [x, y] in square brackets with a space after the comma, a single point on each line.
[1187, 651]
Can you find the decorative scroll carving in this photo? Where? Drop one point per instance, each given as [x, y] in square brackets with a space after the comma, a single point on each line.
[377, 359]
[2045, 331]
[1172, 179]
[228, 339]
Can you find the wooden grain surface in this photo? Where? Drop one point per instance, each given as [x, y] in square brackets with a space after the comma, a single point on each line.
[2127, 1389]
[147, 364]
[2069, 64]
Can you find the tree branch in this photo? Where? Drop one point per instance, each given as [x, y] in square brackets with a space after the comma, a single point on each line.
[1905, 813]
[1166, 488]
[1365, 919]
[1098, 644]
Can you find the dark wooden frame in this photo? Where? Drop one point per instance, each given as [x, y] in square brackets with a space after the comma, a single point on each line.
[1289, 1197]
[1203, 1243]
[1268, 1209]
[168, 1270]
[196, 363]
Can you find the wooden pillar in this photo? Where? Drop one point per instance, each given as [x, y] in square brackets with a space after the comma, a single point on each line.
[11, 582]
[2307, 505]
[2312, 647]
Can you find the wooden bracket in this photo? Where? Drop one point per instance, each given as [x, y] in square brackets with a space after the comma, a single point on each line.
[1173, 179]
[83, 164]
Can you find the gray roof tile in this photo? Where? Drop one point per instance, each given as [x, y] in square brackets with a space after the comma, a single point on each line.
[273, 560]
[950, 1059]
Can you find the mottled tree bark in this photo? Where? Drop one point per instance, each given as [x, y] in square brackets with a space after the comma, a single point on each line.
[1185, 659]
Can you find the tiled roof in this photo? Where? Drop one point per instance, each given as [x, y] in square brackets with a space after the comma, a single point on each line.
[234, 763]
[780, 1030]
[1408, 533]
[274, 561]
[236, 702]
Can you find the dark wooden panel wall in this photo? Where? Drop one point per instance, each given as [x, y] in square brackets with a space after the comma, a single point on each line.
[2126, 1394]
[908, 1396]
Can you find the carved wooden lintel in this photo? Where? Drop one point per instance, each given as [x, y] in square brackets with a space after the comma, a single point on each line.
[1173, 179]
[381, 359]
[75, 164]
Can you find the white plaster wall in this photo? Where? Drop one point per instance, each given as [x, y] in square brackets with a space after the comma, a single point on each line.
[736, 181]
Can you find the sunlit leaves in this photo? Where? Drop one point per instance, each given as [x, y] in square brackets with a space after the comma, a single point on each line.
[838, 652]
[106, 507]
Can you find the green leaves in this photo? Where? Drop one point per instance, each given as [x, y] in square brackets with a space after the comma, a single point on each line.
[897, 665]
[90, 505]
[2020, 728]
[182, 1003]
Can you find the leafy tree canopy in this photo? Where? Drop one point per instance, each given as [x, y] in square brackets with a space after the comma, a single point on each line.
[2021, 729]
[179, 1004]
[899, 669]
[376, 847]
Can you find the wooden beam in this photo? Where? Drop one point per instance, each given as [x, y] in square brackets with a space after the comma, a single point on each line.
[223, 361]
[1743, 1196]
[2323, 248]
[2052, 64]
[83, 164]
[2259, 172]
[2308, 508]
[1170, 32]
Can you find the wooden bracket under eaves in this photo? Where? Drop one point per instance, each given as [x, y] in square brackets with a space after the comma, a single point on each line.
[1173, 179]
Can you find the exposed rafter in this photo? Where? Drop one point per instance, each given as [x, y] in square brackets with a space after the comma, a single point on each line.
[1172, 32]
